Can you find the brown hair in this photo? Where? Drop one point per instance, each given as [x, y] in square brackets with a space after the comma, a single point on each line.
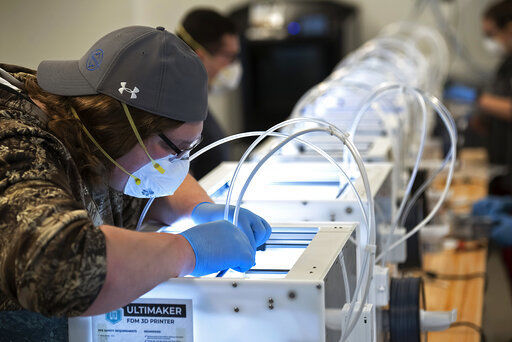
[500, 13]
[105, 119]
[207, 27]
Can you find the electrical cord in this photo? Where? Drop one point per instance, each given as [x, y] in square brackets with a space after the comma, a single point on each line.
[444, 276]
[471, 325]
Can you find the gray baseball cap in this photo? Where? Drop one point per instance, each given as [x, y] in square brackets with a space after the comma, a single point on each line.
[144, 67]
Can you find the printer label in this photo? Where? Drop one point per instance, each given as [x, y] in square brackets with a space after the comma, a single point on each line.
[155, 310]
[148, 320]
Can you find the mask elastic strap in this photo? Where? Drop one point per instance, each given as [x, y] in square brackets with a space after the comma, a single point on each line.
[180, 31]
[137, 180]
[130, 119]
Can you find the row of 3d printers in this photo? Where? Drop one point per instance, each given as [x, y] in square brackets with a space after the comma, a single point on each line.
[335, 181]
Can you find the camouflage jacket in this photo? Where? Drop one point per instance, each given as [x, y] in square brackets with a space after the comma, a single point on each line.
[52, 254]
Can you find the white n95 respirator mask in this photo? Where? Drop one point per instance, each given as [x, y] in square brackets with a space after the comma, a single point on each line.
[153, 183]
[228, 78]
[157, 178]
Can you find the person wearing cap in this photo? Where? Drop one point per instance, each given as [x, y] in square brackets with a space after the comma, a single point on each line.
[214, 38]
[83, 145]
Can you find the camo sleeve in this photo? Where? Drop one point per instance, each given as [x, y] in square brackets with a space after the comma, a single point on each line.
[52, 258]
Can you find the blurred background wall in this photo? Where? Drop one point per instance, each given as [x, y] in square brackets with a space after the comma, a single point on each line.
[35, 30]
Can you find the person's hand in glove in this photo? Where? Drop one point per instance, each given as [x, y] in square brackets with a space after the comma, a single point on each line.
[218, 246]
[256, 228]
[492, 206]
[502, 230]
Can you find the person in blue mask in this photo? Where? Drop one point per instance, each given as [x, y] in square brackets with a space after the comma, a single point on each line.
[83, 145]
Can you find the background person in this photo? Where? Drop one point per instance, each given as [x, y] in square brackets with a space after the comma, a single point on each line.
[495, 103]
[215, 40]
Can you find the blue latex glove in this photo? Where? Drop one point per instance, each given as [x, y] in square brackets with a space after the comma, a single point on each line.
[502, 231]
[492, 206]
[256, 228]
[461, 93]
[219, 245]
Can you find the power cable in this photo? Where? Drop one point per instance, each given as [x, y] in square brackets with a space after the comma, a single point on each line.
[443, 276]
[471, 325]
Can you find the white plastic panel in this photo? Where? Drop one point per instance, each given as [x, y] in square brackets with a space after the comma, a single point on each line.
[251, 309]
[225, 313]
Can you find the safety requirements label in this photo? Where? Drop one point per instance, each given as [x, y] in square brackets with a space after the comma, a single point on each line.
[147, 320]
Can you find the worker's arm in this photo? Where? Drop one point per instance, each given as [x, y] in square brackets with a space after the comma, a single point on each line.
[54, 261]
[497, 106]
[137, 262]
[58, 263]
[167, 210]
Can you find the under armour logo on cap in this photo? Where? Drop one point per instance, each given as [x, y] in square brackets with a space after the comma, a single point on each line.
[133, 91]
